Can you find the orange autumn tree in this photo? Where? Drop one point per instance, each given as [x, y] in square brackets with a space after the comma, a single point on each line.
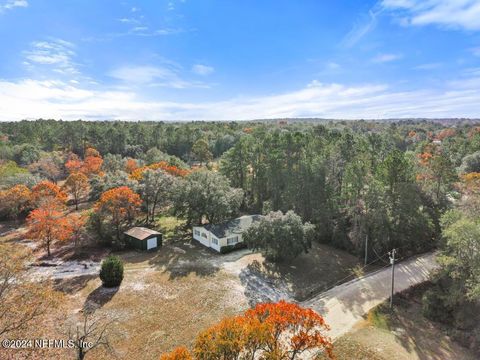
[15, 201]
[46, 192]
[435, 171]
[76, 223]
[73, 164]
[131, 165]
[119, 207]
[91, 164]
[78, 186]
[446, 133]
[47, 225]
[470, 183]
[180, 353]
[162, 165]
[269, 331]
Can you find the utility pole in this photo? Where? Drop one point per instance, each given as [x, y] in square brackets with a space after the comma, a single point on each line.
[366, 249]
[392, 261]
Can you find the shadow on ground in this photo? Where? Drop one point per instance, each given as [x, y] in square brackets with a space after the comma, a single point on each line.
[74, 284]
[308, 274]
[99, 297]
[177, 259]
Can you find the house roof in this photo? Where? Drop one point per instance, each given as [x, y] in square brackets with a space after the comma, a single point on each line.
[141, 233]
[233, 227]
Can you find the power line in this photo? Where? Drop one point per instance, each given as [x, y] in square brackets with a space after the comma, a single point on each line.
[353, 274]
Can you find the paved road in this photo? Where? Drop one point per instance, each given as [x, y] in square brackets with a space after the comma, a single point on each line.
[345, 304]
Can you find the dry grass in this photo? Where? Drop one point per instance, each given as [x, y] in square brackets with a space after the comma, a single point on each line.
[158, 308]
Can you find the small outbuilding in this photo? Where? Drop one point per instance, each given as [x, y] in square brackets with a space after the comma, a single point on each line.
[142, 238]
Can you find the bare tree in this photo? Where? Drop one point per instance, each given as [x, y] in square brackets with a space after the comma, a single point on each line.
[21, 300]
[90, 333]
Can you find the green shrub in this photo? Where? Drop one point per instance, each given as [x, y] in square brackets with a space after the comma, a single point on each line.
[111, 272]
[434, 307]
[230, 248]
[379, 316]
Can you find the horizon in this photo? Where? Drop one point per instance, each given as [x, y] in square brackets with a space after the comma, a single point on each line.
[180, 59]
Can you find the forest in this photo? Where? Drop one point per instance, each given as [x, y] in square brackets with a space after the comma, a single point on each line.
[365, 187]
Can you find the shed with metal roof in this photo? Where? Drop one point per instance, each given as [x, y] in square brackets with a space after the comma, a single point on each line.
[142, 238]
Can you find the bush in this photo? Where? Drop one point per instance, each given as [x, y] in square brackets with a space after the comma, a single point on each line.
[230, 248]
[111, 273]
[433, 306]
[279, 236]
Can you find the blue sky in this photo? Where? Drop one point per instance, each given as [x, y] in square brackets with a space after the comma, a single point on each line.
[227, 59]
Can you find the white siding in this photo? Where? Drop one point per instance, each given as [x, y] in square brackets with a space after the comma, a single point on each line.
[201, 235]
[206, 238]
[215, 243]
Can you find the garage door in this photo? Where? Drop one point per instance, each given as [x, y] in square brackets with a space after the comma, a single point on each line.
[151, 243]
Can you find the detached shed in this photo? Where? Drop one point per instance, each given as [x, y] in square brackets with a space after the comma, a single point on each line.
[144, 239]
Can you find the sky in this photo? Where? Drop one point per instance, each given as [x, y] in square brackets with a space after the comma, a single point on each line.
[239, 60]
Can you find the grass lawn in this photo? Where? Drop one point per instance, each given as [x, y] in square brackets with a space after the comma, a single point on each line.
[403, 334]
[172, 228]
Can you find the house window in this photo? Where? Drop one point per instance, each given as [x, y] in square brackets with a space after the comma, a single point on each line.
[232, 240]
[197, 233]
[214, 241]
[204, 235]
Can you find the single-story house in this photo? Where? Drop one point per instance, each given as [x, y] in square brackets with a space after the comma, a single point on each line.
[142, 238]
[225, 236]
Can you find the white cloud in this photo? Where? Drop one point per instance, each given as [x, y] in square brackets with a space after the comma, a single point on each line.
[475, 51]
[333, 65]
[428, 66]
[56, 99]
[166, 75]
[128, 20]
[383, 58]
[139, 28]
[457, 14]
[10, 4]
[361, 28]
[200, 69]
[56, 53]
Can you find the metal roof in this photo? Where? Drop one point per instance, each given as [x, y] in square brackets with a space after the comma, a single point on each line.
[141, 233]
[233, 227]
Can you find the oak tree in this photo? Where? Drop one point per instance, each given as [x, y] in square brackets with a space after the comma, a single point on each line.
[77, 186]
[118, 206]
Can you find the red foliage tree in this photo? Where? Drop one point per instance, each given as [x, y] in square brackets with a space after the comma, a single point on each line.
[77, 185]
[120, 205]
[180, 353]
[76, 223]
[162, 165]
[48, 224]
[15, 200]
[91, 165]
[131, 165]
[46, 192]
[73, 164]
[269, 331]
